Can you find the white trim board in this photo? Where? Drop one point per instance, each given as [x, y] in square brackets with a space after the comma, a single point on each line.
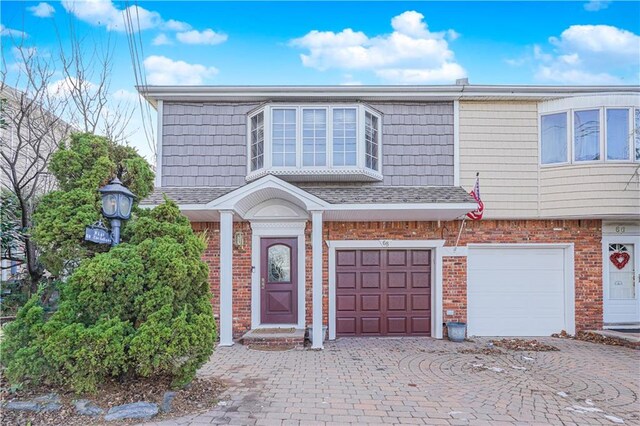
[159, 111]
[436, 277]
[276, 230]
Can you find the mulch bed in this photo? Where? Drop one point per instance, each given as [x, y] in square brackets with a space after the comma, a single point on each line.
[524, 345]
[201, 395]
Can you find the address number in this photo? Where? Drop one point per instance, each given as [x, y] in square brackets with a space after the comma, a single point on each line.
[384, 243]
[620, 229]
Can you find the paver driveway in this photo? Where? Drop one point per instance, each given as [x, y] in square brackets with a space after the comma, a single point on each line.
[425, 381]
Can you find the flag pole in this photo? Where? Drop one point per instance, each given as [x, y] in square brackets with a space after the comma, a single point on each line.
[455, 247]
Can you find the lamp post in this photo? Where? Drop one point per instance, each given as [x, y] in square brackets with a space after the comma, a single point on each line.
[117, 201]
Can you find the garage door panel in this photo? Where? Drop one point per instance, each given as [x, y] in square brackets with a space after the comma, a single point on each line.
[421, 258]
[346, 326]
[370, 279]
[397, 325]
[346, 280]
[370, 325]
[516, 281]
[396, 258]
[505, 260]
[370, 258]
[397, 279]
[421, 325]
[346, 258]
[420, 302]
[420, 279]
[396, 302]
[385, 292]
[346, 302]
[515, 291]
[370, 302]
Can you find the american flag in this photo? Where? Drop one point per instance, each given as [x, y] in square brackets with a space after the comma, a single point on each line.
[475, 193]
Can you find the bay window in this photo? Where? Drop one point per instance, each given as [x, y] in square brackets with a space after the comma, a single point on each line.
[586, 135]
[553, 138]
[315, 140]
[283, 137]
[591, 134]
[617, 134]
[314, 137]
[344, 136]
[257, 141]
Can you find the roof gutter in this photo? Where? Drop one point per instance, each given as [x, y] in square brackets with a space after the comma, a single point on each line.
[440, 92]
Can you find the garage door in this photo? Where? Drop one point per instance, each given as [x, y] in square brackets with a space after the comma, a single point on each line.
[383, 293]
[515, 291]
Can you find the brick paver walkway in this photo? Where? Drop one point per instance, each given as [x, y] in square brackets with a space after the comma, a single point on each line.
[424, 381]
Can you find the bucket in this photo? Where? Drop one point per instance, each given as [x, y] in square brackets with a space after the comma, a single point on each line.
[310, 333]
[456, 331]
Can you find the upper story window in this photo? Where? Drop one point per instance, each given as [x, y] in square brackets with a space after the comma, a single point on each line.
[303, 140]
[590, 134]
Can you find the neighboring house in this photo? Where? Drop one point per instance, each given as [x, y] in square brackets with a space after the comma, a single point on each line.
[342, 205]
[28, 137]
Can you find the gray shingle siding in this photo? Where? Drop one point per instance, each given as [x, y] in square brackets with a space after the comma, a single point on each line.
[204, 144]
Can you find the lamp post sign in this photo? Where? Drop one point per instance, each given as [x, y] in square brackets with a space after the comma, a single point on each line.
[97, 233]
[117, 201]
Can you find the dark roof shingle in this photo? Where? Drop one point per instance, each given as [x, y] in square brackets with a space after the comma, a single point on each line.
[333, 194]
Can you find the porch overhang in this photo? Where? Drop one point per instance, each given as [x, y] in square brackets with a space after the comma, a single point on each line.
[337, 203]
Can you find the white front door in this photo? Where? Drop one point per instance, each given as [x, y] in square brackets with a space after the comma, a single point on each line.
[621, 270]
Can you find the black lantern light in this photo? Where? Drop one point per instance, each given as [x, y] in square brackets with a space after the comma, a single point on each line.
[117, 201]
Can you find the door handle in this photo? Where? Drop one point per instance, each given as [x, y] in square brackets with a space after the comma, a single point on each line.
[262, 283]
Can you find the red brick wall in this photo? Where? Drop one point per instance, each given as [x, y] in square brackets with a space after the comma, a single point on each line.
[454, 288]
[585, 234]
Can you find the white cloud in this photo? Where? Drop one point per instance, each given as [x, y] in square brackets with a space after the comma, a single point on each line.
[173, 25]
[207, 36]
[161, 40]
[104, 13]
[165, 71]
[125, 96]
[9, 32]
[590, 54]
[62, 88]
[410, 54]
[596, 5]
[42, 10]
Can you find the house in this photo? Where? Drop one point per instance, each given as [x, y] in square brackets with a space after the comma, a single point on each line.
[29, 135]
[343, 206]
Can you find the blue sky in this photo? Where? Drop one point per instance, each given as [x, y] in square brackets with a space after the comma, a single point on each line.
[577, 42]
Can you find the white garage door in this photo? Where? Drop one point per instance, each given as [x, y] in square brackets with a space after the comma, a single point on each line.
[516, 291]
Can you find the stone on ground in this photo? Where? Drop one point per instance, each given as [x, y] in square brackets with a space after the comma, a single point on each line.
[136, 410]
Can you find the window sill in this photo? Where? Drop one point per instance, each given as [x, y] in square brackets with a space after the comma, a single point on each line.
[353, 174]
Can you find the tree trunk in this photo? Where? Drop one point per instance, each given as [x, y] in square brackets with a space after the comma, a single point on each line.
[34, 269]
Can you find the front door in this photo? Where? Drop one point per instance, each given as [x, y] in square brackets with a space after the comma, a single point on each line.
[279, 281]
[621, 281]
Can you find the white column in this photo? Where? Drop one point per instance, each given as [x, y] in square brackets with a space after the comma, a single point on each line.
[316, 244]
[226, 278]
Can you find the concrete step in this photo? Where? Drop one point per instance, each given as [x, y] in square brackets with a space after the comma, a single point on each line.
[274, 338]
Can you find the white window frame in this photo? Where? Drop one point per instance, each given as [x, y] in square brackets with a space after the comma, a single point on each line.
[584, 106]
[600, 136]
[630, 132]
[567, 139]
[299, 167]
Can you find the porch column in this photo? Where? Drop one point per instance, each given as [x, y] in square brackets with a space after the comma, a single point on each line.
[316, 243]
[226, 278]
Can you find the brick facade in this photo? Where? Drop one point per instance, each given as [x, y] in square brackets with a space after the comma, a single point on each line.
[584, 234]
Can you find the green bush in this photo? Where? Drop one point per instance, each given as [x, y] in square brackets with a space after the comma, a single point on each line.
[141, 309]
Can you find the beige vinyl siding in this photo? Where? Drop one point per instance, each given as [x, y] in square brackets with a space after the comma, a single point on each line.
[500, 141]
[609, 189]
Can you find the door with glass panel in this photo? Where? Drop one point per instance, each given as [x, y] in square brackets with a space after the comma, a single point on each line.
[621, 272]
[279, 281]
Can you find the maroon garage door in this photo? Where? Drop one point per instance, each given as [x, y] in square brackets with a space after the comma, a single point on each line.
[383, 293]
